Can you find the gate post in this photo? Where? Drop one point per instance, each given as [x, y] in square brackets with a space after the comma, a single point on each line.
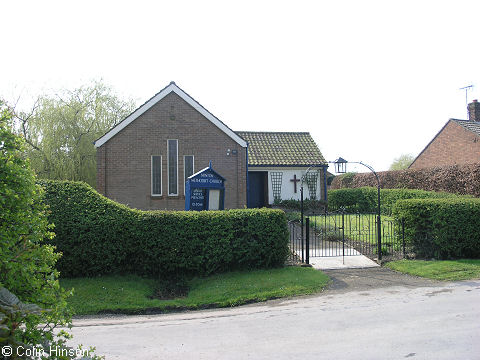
[307, 240]
[343, 236]
[379, 226]
[301, 214]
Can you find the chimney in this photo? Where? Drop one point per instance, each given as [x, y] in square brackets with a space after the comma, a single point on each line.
[474, 111]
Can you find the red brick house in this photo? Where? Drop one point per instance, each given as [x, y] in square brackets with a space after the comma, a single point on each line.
[458, 142]
[144, 161]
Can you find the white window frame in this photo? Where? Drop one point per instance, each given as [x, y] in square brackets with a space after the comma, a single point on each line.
[168, 168]
[193, 169]
[151, 175]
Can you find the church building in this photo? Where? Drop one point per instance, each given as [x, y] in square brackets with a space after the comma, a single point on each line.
[145, 161]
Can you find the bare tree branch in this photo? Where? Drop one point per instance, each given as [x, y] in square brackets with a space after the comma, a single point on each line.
[24, 123]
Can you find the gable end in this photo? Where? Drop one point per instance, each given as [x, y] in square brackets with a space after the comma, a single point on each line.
[187, 98]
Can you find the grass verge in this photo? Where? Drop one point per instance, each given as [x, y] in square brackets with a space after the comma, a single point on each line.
[132, 294]
[448, 270]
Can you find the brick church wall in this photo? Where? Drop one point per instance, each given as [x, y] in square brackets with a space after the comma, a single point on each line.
[124, 162]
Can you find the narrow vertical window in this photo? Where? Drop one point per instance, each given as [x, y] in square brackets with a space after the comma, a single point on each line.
[172, 167]
[188, 167]
[156, 175]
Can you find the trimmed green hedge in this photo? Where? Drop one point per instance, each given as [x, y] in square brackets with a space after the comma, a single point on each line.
[442, 228]
[456, 179]
[308, 204]
[98, 236]
[364, 199]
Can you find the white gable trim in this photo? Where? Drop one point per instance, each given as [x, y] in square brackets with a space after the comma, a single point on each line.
[172, 87]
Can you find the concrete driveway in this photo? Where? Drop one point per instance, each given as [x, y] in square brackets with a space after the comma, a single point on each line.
[375, 314]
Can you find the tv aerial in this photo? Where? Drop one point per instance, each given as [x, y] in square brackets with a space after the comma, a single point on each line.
[466, 88]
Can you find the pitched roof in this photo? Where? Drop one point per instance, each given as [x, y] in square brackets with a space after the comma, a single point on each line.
[172, 87]
[473, 126]
[281, 149]
[466, 124]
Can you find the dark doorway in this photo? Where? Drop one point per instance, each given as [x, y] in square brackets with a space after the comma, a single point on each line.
[257, 189]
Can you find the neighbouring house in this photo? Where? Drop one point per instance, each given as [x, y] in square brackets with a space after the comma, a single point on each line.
[457, 143]
[145, 160]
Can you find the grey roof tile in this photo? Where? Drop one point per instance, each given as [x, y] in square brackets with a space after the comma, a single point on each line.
[281, 149]
[473, 126]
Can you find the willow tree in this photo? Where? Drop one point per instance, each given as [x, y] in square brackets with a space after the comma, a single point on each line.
[60, 130]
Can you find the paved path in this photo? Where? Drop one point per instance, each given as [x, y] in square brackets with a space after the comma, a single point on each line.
[330, 260]
[326, 255]
[374, 314]
[339, 262]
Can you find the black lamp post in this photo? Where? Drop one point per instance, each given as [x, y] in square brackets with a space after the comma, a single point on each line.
[341, 168]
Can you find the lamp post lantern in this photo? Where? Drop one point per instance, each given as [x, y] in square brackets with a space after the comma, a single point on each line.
[340, 165]
[341, 168]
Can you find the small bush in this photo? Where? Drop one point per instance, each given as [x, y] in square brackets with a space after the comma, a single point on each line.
[353, 200]
[364, 200]
[441, 228]
[99, 236]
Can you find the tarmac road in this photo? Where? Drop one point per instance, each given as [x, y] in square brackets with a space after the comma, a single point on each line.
[366, 314]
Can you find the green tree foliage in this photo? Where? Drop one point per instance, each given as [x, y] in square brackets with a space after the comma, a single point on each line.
[30, 293]
[402, 162]
[60, 130]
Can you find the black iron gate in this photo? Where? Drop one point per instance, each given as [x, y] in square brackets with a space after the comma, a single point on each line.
[343, 234]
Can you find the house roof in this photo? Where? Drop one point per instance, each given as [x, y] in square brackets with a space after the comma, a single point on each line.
[431, 141]
[172, 87]
[473, 126]
[281, 149]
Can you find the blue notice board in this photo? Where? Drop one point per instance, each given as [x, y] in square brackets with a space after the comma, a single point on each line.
[205, 190]
[197, 199]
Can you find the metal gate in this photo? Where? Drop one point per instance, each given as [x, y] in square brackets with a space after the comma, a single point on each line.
[343, 234]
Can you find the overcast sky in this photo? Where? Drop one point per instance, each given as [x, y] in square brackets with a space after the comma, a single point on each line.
[370, 80]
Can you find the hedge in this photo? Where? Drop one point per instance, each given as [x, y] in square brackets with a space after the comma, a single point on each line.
[98, 236]
[308, 204]
[458, 179]
[364, 200]
[441, 228]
